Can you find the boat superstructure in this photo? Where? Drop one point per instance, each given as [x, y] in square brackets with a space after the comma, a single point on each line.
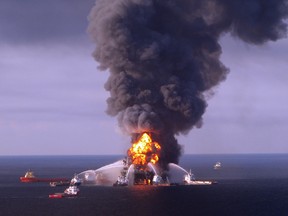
[217, 165]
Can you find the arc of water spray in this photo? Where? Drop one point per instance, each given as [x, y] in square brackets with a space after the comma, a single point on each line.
[178, 167]
[153, 168]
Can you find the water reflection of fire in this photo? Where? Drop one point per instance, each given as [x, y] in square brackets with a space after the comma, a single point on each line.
[144, 151]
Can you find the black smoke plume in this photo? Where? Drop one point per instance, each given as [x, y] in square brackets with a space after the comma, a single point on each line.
[163, 55]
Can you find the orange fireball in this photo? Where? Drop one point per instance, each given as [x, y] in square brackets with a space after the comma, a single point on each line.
[144, 151]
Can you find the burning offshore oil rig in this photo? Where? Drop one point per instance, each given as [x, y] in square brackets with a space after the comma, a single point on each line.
[142, 158]
[140, 167]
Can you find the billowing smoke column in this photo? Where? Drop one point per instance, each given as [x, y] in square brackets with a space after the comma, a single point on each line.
[163, 55]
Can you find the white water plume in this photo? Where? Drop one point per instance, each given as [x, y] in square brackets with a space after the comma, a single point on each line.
[104, 176]
[130, 174]
[153, 168]
[176, 173]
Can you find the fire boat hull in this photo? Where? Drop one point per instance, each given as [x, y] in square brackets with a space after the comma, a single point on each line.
[62, 195]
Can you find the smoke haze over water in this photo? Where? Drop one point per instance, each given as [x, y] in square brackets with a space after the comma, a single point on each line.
[163, 55]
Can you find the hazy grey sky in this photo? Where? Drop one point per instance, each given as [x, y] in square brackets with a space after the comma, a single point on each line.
[52, 99]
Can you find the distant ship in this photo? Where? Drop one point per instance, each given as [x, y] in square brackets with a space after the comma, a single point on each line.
[30, 177]
[217, 165]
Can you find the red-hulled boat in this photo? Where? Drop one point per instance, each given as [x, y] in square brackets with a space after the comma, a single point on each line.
[56, 195]
[71, 191]
[29, 177]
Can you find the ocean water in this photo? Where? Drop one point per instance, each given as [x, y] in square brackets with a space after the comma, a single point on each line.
[247, 185]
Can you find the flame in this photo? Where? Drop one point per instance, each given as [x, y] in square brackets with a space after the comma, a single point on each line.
[144, 151]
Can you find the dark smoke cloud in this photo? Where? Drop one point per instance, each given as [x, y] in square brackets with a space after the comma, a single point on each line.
[163, 55]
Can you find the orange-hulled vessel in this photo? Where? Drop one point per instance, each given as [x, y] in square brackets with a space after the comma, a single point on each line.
[30, 177]
[71, 191]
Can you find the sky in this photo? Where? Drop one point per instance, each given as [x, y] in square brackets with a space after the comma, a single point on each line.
[53, 102]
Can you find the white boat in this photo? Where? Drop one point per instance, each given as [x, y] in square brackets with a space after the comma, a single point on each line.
[76, 181]
[217, 165]
[189, 179]
[71, 191]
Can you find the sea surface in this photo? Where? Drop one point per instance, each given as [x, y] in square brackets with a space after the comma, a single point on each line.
[253, 184]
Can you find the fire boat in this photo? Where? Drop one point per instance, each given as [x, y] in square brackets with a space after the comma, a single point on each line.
[71, 191]
[189, 179]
